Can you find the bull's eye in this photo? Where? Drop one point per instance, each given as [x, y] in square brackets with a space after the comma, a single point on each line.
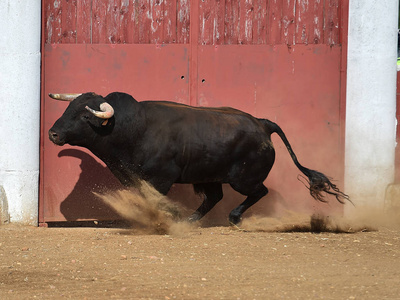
[85, 117]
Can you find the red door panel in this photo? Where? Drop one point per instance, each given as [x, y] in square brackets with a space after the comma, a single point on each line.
[70, 174]
[298, 89]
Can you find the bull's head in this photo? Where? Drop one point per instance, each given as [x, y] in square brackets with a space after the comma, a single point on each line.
[80, 121]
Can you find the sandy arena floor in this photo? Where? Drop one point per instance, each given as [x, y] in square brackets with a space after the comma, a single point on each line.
[264, 259]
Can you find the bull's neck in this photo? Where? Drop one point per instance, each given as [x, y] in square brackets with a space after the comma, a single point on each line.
[119, 144]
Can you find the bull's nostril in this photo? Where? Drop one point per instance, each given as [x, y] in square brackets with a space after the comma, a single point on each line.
[53, 136]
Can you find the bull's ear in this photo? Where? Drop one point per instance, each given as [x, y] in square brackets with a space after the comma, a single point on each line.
[99, 123]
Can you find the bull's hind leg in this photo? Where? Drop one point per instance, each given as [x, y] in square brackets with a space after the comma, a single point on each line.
[255, 195]
[212, 195]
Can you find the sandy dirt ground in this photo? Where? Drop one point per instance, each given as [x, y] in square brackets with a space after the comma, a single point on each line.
[156, 257]
[269, 260]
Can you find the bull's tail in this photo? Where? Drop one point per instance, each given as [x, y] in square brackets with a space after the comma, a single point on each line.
[318, 182]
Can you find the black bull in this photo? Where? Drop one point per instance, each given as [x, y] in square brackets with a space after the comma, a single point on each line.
[165, 143]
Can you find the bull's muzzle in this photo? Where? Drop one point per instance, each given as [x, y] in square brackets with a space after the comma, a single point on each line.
[55, 138]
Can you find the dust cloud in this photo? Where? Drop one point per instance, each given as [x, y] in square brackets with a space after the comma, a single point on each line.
[147, 210]
[153, 213]
[361, 220]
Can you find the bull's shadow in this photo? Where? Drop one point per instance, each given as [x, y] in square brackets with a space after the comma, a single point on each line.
[81, 203]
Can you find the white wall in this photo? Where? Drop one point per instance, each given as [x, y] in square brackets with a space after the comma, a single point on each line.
[371, 100]
[20, 25]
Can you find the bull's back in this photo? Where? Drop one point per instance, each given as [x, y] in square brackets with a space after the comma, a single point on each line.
[221, 124]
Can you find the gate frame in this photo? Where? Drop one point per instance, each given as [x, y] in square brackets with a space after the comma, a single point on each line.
[193, 84]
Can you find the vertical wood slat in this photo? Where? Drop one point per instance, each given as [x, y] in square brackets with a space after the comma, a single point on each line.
[302, 9]
[48, 14]
[135, 21]
[170, 22]
[113, 28]
[144, 22]
[219, 23]
[332, 22]
[99, 22]
[206, 17]
[242, 19]
[274, 21]
[260, 22]
[84, 22]
[317, 35]
[245, 30]
[126, 32]
[232, 22]
[183, 21]
[228, 22]
[288, 22]
[156, 21]
[53, 22]
[68, 21]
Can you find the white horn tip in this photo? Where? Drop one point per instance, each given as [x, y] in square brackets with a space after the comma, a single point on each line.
[54, 96]
[64, 97]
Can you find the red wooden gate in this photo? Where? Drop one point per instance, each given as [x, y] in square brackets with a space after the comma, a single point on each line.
[281, 60]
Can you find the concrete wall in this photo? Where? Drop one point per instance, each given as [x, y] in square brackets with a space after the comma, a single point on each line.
[20, 24]
[371, 100]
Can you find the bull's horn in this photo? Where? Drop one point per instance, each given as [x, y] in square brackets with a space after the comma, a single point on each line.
[107, 111]
[64, 97]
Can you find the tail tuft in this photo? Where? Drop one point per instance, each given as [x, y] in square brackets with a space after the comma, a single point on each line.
[319, 183]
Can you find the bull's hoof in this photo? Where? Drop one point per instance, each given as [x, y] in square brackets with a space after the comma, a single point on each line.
[194, 218]
[234, 219]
